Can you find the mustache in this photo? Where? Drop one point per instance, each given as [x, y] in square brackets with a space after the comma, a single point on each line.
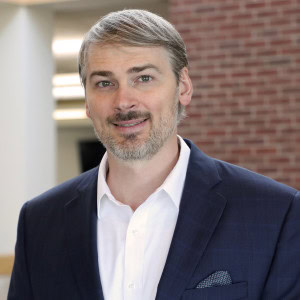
[131, 115]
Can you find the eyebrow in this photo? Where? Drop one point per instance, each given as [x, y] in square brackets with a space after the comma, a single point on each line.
[136, 69]
[142, 68]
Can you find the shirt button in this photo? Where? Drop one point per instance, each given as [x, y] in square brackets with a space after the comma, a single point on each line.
[131, 286]
[134, 231]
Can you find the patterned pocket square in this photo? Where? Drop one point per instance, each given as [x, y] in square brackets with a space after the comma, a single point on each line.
[218, 278]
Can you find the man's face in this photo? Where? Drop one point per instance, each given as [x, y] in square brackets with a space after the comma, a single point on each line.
[132, 98]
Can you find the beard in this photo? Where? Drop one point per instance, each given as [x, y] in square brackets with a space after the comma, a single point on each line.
[133, 147]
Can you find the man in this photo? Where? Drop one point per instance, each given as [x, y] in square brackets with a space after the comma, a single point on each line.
[158, 219]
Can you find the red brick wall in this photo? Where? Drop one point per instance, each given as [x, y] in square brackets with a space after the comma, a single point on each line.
[245, 66]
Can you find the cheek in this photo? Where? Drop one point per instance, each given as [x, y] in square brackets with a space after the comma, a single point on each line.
[97, 109]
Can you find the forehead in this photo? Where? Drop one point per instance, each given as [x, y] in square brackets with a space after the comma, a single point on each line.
[116, 57]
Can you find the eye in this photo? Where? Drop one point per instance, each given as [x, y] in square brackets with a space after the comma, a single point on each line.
[145, 78]
[104, 83]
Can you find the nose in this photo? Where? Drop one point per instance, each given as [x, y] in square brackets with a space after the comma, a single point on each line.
[125, 99]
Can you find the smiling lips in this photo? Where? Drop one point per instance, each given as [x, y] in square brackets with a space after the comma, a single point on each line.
[129, 123]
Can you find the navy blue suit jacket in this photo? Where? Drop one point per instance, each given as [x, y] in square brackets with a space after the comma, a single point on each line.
[230, 219]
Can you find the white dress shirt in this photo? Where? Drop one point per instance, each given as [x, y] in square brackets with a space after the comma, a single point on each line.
[133, 246]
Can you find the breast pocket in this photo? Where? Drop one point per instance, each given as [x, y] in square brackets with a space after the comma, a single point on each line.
[235, 291]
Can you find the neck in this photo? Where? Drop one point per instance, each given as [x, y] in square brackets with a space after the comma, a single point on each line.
[133, 182]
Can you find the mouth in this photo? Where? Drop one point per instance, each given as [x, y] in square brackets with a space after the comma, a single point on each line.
[130, 123]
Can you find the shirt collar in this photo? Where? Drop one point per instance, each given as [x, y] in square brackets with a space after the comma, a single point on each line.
[173, 184]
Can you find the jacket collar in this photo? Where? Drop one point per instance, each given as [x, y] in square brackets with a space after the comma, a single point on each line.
[81, 237]
[200, 211]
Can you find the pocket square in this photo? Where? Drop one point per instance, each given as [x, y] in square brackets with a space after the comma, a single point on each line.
[219, 278]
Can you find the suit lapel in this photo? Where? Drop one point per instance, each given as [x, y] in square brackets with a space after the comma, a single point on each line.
[81, 236]
[200, 211]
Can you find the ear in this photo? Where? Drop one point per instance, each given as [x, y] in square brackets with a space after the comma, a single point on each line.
[87, 109]
[185, 87]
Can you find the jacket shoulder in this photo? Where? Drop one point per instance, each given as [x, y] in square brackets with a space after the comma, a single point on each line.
[251, 182]
[66, 191]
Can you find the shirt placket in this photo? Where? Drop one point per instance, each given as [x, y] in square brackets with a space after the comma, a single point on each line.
[134, 256]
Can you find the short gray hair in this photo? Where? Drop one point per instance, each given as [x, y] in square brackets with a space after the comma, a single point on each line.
[134, 27]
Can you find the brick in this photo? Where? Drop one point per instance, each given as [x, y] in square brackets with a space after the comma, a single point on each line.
[255, 122]
[269, 33]
[216, 76]
[279, 61]
[240, 132]
[241, 151]
[229, 123]
[291, 130]
[205, 142]
[267, 72]
[267, 13]
[226, 103]
[280, 81]
[229, 84]
[280, 21]
[240, 113]
[255, 5]
[242, 16]
[230, 7]
[267, 170]
[229, 45]
[276, 160]
[204, 67]
[281, 2]
[292, 170]
[253, 63]
[291, 31]
[253, 160]
[295, 50]
[241, 74]
[265, 131]
[216, 132]
[269, 52]
[281, 42]
[241, 35]
[203, 86]
[242, 93]
[240, 54]
[216, 18]
[253, 25]
[231, 26]
[229, 142]
[254, 83]
[266, 151]
[266, 92]
[255, 103]
[218, 56]
[276, 101]
[255, 44]
[194, 115]
[254, 141]
[205, 9]
[265, 111]
[280, 121]
[228, 65]
[293, 70]
[294, 11]
[291, 90]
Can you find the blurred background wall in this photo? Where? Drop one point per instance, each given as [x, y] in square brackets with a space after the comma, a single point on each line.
[245, 66]
[244, 62]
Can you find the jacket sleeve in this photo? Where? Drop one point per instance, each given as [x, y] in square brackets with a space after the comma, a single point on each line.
[283, 281]
[20, 287]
